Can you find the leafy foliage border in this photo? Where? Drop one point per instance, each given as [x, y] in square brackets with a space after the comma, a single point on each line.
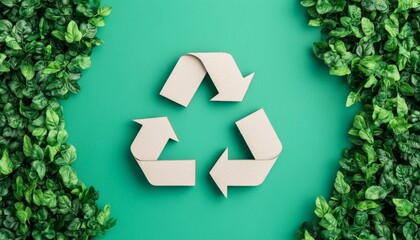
[44, 46]
[374, 43]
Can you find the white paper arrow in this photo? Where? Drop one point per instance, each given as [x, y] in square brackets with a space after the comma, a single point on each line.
[191, 69]
[265, 146]
[149, 144]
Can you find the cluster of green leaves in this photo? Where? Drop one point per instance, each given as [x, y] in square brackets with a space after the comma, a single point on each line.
[374, 43]
[44, 46]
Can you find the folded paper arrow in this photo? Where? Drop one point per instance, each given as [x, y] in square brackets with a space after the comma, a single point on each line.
[191, 69]
[149, 144]
[265, 146]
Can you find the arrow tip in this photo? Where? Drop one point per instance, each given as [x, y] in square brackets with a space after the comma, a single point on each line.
[235, 92]
[160, 123]
[249, 78]
[218, 174]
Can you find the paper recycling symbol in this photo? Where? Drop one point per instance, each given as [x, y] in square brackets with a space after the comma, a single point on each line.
[255, 128]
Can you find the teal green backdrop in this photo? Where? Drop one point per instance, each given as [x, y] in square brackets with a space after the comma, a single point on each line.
[306, 106]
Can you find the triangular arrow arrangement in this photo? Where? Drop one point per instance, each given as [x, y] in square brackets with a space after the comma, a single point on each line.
[255, 128]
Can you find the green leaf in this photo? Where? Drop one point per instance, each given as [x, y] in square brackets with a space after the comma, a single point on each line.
[6, 165]
[340, 184]
[104, 11]
[52, 119]
[315, 22]
[97, 21]
[79, 63]
[89, 31]
[340, 32]
[404, 5]
[367, 27]
[322, 207]
[2, 57]
[74, 225]
[352, 98]
[403, 206]
[59, 35]
[340, 47]
[359, 122]
[4, 67]
[19, 187]
[370, 152]
[12, 43]
[366, 205]
[40, 168]
[64, 204]
[416, 219]
[375, 5]
[328, 222]
[49, 199]
[39, 132]
[369, 64]
[399, 125]
[27, 70]
[103, 215]
[69, 155]
[308, 3]
[23, 214]
[409, 230]
[392, 72]
[5, 25]
[371, 81]
[381, 115]
[52, 151]
[8, 3]
[391, 44]
[52, 67]
[361, 218]
[323, 6]
[27, 146]
[37, 152]
[382, 230]
[406, 89]
[340, 71]
[39, 102]
[406, 31]
[308, 236]
[375, 192]
[366, 134]
[355, 13]
[68, 175]
[402, 108]
[89, 210]
[72, 34]
[5, 233]
[38, 197]
[62, 136]
[391, 26]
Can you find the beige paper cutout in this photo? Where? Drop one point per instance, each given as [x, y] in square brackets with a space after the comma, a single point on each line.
[191, 69]
[265, 147]
[149, 144]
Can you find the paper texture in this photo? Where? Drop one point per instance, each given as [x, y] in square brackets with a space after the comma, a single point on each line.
[191, 69]
[265, 147]
[149, 144]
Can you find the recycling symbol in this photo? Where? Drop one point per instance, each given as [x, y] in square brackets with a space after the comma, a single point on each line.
[255, 128]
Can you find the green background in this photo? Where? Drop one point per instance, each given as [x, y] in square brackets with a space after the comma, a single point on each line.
[306, 106]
